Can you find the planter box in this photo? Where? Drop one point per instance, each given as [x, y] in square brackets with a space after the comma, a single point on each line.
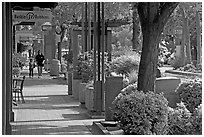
[55, 67]
[75, 88]
[82, 89]
[89, 98]
[168, 85]
[113, 87]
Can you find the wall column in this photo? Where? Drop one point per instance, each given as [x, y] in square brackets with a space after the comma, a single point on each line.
[50, 44]
[6, 68]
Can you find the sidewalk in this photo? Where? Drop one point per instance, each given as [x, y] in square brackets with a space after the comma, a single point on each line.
[49, 110]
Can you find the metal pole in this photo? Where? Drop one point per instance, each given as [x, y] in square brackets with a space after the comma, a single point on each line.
[83, 29]
[95, 41]
[99, 40]
[103, 40]
[102, 61]
[85, 25]
[89, 27]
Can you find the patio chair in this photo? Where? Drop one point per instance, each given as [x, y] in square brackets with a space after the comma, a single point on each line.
[18, 89]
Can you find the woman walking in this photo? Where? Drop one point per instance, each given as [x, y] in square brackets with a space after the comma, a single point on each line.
[40, 59]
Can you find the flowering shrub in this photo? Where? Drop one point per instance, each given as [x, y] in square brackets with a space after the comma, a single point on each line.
[69, 57]
[164, 56]
[141, 113]
[85, 67]
[190, 93]
[191, 68]
[133, 76]
[125, 63]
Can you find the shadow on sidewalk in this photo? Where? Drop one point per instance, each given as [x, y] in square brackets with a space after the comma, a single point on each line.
[45, 80]
[45, 129]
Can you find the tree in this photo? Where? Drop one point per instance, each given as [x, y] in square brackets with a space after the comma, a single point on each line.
[135, 29]
[198, 28]
[184, 8]
[153, 16]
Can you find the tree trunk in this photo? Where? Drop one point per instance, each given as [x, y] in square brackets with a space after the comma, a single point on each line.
[149, 58]
[182, 58]
[188, 46]
[153, 17]
[186, 50]
[198, 28]
[135, 37]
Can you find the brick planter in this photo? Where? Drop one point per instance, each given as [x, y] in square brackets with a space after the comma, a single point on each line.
[75, 88]
[113, 87]
[82, 89]
[89, 98]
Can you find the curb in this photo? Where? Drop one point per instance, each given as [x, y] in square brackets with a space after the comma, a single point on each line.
[184, 73]
[99, 129]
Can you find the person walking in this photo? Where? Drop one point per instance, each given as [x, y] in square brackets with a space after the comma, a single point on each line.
[40, 59]
[31, 67]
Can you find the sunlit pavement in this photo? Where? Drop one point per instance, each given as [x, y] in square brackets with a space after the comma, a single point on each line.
[49, 110]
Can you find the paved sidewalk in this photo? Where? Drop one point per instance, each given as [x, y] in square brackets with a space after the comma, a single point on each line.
[49, 110]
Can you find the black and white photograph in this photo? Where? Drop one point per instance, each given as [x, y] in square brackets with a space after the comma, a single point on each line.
[101, 67]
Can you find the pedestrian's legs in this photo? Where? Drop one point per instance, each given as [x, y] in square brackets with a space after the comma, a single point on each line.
[40, 74]
[32, 72]
[29, 72]
[38, 71]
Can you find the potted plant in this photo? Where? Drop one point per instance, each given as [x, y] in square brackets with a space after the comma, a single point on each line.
[17, 62]
[85, 69]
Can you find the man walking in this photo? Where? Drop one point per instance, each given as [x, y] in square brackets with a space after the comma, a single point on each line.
[40, 59]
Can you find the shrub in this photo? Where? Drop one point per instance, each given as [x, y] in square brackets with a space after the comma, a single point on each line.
[125, 63]
[16, 71]
[141, 113]
[18, 60]
[178, 120]
[182, 122]
[69, 57]
[196, 121]
[190, 93]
